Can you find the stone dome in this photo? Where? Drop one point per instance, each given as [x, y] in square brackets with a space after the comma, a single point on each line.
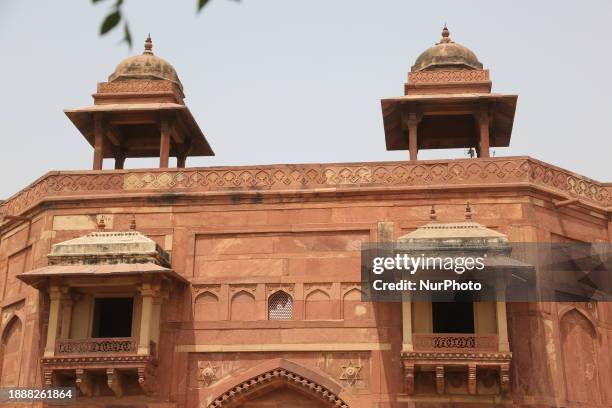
[446, 54]
[145, 66]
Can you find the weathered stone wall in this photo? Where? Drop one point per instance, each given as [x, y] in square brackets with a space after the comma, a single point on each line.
[238, 249]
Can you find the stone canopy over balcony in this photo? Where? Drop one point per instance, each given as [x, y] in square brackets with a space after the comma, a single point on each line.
[437, 360]
[106, 291]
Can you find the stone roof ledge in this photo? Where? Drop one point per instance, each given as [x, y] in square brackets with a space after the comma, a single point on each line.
[466, 234]
[110, 247]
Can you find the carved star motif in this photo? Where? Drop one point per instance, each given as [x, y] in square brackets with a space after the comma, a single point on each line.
[207, 373]
[350, 373]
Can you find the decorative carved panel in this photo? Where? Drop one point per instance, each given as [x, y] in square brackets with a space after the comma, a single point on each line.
[96, 346]
[498, 171]
[443, 76]
[455, 342]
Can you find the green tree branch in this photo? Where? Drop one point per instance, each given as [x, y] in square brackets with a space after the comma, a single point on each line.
[115, 17]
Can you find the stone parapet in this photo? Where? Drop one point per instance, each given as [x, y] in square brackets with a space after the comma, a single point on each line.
[490, 173]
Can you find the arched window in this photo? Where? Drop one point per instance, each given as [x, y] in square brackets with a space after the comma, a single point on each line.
[318, 306]
[206, 307]
[243, 307]
[10, 353]
[280, 306]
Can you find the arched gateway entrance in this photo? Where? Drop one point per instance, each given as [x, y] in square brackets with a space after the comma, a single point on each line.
[288, 385]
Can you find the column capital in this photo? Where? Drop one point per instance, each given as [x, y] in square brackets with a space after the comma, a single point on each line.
[150, 288]
[149, 292]
[56, 292]
[411, 118]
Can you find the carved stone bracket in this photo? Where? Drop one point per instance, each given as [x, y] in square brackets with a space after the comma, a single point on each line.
[118, 367]
[114, 380]
[504, 378]
[472, 379]
[491, 362]
[440, 379]
[146, 379]
[409, 377]
[83, 382]
[49, 378]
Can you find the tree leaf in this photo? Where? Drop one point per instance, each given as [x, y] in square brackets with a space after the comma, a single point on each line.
[110, 22]
[201, 4]
[127, 36]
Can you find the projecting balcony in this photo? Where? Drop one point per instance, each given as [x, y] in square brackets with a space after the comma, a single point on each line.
[455, 342]
[113, 360]
[106, 291]
[456, 363]
[100, 346]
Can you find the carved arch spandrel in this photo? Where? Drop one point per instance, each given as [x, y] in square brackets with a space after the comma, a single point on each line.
[276, 373]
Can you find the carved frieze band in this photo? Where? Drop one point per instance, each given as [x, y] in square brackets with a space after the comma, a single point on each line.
[467, 172]
[461, 75]
[139, 85]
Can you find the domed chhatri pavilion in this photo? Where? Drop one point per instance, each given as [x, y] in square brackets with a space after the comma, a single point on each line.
[240, 286]
[140, 112]
[448, 104]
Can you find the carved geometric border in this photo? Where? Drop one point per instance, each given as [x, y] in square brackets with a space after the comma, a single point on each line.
[465, 172]
[239, 392]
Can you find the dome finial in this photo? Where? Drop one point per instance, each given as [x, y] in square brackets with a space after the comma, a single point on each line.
[148, 45]
[445, 35]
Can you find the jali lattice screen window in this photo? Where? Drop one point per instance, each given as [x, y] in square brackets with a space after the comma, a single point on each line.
[280, 306]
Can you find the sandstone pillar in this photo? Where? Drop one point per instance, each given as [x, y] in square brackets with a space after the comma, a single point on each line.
[164, 144]
[483, 124]
[119, 162]
[502, 326]
[99, 142]
[145, 318]
[180, 161]
[407, 324]
[149, 316]
[413, 124]
[54, 314]
[66, 307]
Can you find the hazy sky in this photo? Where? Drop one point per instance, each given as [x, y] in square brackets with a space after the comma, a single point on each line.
[294, 81]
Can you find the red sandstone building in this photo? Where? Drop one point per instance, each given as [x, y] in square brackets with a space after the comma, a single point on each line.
[240, 286]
